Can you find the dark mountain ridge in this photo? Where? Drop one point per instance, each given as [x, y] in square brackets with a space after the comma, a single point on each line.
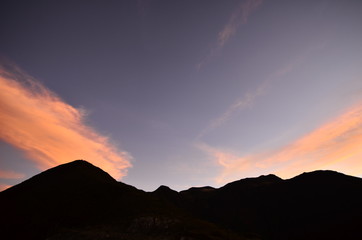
[80, 201]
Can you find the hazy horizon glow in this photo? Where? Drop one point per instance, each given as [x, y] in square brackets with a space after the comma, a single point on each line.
[4, 186]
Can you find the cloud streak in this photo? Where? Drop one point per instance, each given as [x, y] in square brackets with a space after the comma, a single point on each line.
[248, 99]
[238, 17]
[336, 145]
[245, 102]
[50, 131]
[11, 175]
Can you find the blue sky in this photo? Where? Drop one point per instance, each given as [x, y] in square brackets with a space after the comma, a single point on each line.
[189, 93]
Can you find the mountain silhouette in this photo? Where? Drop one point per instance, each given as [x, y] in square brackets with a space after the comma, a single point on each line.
[80, 201]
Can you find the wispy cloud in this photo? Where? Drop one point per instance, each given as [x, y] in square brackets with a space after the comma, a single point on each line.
[336, 145]
[238, 17]
[50, 131]
[11, 175]
[248, 99]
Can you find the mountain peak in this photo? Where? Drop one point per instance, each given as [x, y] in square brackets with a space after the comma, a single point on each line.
[166, 192]
[328, 177]
[164, 188]
[254, 181]
[201, 189]
[78, 200]
[80, 162]
[270, 177]
[79, 170]
[75, 174]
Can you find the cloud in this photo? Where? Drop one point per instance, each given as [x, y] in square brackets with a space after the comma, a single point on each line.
[238, 17]
[240, 104]
[249, 97]
[4, 187]
[50, 131]
[11, 175]
[336, 145]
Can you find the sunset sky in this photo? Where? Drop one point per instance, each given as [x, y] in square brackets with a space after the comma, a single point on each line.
[181, 92]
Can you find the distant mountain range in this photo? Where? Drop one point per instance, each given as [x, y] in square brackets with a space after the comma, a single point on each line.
[77, 201]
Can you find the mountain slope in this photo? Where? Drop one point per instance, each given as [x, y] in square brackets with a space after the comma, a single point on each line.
[76, 193]
[316, 205]
[80, 201]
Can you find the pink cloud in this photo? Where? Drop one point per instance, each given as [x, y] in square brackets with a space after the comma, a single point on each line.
[50, 131]
[11, 175]
[4, 187]
[336, 145]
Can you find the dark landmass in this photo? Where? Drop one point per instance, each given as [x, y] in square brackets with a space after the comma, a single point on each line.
[80, 201]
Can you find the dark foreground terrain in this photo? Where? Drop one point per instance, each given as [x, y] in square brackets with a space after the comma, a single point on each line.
[80, 201]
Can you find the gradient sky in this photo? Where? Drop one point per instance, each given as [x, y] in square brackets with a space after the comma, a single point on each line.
[181, 93]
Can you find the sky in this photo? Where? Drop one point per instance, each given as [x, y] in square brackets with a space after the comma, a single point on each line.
[181, 93]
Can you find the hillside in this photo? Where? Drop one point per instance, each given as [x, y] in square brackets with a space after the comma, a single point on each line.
[80, 201]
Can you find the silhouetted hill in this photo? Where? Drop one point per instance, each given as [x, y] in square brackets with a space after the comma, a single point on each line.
[77, 174]
[164, 190]
[76, 193]
[168, 194]
[316, 205]
[250, 183]
[80, 201]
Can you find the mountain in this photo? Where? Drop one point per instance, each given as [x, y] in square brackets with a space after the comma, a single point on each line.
[316, 205]
[80, 201]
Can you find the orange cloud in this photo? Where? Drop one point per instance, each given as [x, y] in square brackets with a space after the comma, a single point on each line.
[50, 131]
[4, 187]
[336, 145]
[11, 175]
